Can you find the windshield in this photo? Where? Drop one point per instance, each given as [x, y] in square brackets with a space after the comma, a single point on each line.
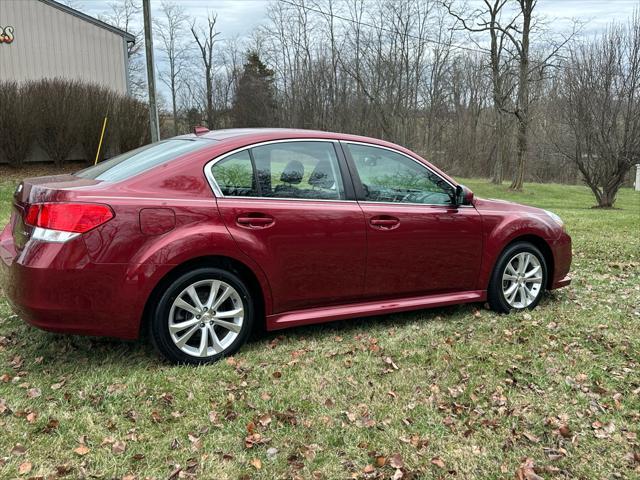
[140, 160]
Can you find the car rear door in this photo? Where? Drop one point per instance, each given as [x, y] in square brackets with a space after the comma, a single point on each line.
[418, 243]
[291, 208]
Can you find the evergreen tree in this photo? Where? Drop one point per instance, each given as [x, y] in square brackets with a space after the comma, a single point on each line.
[254, 101]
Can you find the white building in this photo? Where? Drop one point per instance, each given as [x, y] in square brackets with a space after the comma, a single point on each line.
[45, 39]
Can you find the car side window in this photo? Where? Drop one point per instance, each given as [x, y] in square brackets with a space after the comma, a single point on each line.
[387, 176]
[234, 175]
[304, 170]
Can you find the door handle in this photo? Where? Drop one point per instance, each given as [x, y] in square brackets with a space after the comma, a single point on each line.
[255, 220]
[385, 222]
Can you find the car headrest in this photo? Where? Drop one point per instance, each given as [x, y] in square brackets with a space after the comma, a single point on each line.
[293, 172]
[322, 175]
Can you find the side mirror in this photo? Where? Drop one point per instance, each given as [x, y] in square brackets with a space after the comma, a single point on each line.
[464, 196]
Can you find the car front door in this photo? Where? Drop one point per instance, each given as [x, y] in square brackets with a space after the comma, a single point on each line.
[289, 207]
[418, 241]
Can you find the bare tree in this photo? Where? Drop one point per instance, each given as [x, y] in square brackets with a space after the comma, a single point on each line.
[170, 29]
[600, 109]
[522, 106]
[205, 37]
[490, 19]
[126, 15]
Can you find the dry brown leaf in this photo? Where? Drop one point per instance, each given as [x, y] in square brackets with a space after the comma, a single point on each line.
[264, 420]
[396, 461]
[82, 450]
[34, 392]
[256, 463]
[526, 471]
[368, 469]
[438, 462]
[565, 431]
[118, 447]
[18, 449]
[24, 468]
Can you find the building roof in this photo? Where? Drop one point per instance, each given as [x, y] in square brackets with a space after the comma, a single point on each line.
[72, 11]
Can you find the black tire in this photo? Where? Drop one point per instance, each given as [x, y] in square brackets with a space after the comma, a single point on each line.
[160, 316]
[495, 294]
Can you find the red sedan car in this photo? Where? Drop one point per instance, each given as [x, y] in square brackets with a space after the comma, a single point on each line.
[203, 237]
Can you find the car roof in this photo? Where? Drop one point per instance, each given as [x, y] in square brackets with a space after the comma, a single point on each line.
[260, 134]
[247, 136]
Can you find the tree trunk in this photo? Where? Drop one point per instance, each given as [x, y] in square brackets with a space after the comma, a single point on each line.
[518, 180]
[210, 119]
[173, 105]
[501, 150]
[522, 112]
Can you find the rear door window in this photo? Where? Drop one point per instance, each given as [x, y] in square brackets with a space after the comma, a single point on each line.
[299, 170]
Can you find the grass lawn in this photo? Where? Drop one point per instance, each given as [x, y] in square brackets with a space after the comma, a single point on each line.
[458, 392]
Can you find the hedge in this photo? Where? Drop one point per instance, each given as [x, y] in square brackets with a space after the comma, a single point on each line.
[62, 116]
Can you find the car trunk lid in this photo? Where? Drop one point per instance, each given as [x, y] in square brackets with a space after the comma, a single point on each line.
[52, 188]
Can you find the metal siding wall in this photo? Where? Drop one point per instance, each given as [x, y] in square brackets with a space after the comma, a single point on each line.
[51, 43]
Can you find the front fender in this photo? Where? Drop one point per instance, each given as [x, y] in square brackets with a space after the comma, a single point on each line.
[499, 230]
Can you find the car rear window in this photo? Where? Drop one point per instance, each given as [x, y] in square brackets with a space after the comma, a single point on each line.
[140, 160]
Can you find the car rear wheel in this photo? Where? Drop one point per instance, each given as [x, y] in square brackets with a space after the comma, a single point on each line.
[518, 279]
[203, 315]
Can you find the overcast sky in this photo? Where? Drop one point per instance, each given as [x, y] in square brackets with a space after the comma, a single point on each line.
[240, 17]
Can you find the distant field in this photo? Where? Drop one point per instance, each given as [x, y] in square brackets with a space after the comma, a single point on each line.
[457, 392]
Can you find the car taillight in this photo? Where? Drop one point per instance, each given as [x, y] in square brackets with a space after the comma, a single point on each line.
[68, 217]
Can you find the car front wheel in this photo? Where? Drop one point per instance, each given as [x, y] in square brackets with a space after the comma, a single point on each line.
[518, 279]
[202, 316]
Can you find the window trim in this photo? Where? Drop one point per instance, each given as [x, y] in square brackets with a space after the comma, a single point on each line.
[358, 182]
[350, 195]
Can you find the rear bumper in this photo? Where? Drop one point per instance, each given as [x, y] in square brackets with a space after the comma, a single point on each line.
[57, 288]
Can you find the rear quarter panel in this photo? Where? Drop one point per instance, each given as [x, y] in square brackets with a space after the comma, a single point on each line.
[199, 231]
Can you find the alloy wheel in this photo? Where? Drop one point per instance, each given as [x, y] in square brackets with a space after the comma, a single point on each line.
[206, 318]
[522, 280]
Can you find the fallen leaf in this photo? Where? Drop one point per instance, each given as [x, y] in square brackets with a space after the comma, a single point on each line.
[34, 393]
[396, 461]
[526, 471]
[389, 361]
[118, 447]
[264, 420]
[271, 453]
[565, 431]
[256, 463]
[82, 450]
[438, 462]
[18, 449]
[52, 424]
[24, 468]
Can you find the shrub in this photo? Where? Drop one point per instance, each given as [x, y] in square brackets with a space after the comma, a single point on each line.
[56, 105]
[95, 102]
[16, 123]
[131, 125]
[62, 115]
